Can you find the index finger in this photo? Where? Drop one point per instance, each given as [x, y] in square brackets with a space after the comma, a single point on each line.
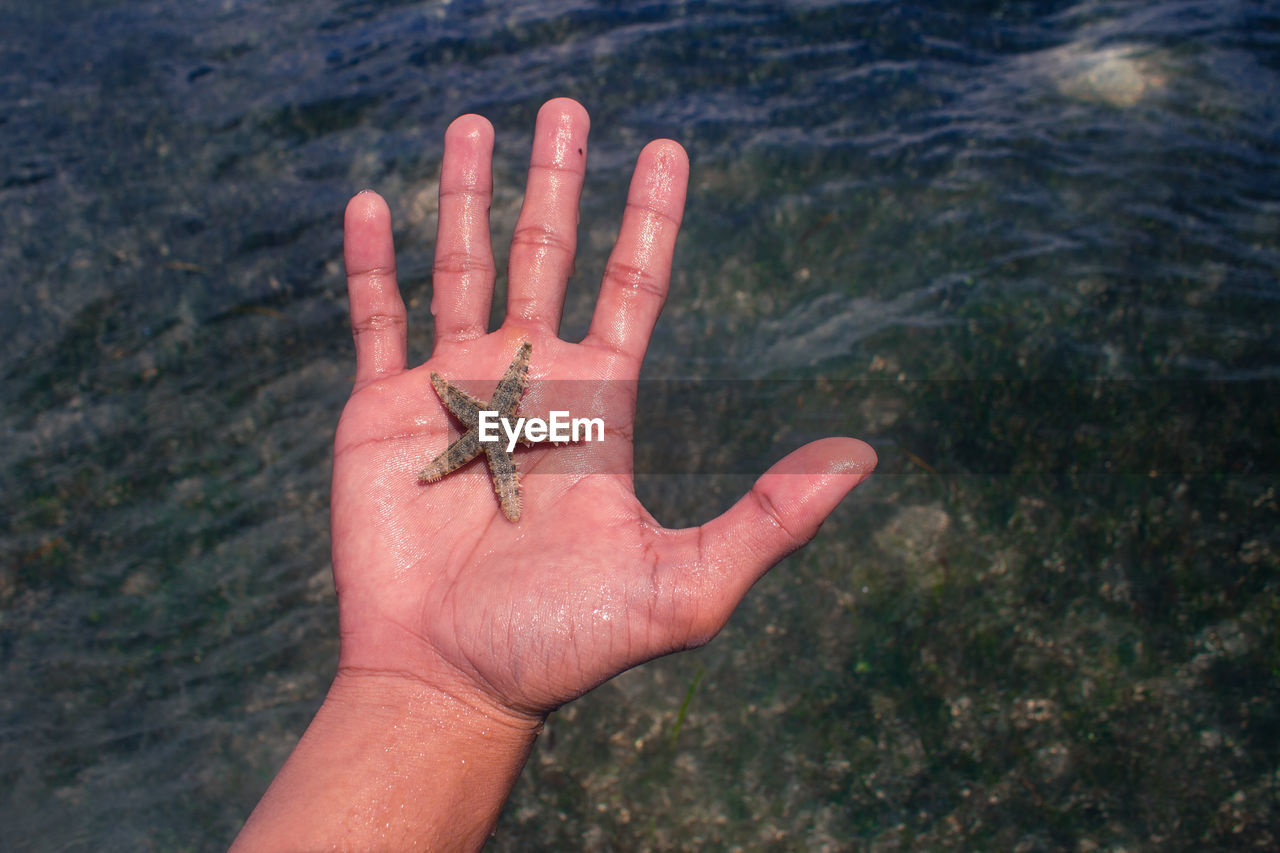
[638, 274]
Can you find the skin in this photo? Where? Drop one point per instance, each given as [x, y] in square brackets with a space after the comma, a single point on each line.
[461, 631]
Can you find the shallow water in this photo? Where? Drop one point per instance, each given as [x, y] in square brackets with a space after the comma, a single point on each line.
[1028, 250]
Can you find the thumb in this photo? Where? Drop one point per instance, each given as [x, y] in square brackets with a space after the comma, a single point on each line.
[781, 513]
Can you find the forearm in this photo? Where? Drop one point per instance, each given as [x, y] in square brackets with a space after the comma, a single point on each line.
[392, 764]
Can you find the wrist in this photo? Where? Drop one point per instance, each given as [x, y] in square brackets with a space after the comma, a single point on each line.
[429, 708]
[394, 762]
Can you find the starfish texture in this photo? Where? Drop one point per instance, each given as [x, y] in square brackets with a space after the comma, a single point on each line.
[502, 465]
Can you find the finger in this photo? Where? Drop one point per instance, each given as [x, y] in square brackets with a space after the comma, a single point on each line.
[639, 269]
[781, 512]
[377, 311]
[546, 235]
[463, 275]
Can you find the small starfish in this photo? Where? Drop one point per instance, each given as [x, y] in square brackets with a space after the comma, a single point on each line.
[502, 465]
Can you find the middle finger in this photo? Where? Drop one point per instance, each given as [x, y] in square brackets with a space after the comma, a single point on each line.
[546, 235]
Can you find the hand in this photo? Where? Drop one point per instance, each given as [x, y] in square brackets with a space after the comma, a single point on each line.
[438, 592]
[434, 583]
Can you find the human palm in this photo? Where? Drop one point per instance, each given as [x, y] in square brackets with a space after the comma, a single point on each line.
[534, 612]
[434, 583]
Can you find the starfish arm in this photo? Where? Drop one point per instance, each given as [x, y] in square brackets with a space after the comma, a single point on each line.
[464, 407]
[462, 451]
[506, 482]
[506, 397]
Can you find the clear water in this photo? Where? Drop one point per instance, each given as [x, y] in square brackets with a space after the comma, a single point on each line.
[1029, 250]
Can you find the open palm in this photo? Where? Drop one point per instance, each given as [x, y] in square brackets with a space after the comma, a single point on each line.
[434, 582]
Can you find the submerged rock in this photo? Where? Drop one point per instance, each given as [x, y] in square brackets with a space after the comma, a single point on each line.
[1121, 76]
